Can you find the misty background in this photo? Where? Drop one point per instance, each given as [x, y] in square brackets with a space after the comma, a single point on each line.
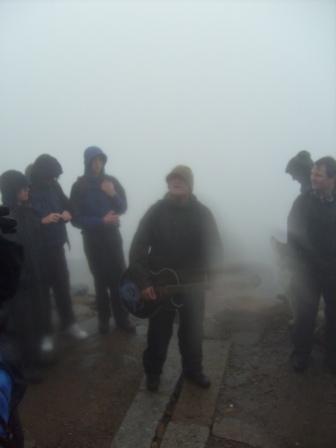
[231, 88]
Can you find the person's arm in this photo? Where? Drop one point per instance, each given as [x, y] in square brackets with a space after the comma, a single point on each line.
[139, 251]
[79, 218]
[297, 238]
[116, 192]
[47, 217]
[213, 243]
[6, 385]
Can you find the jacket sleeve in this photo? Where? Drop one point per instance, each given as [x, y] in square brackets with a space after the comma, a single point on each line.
[297, 239]
[214, 251]
[37, 204]
[140, 250]
[119, 202]
[79, 218]
[64, 200]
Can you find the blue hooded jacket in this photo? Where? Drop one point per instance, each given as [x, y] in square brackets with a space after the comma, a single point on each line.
[88, 201]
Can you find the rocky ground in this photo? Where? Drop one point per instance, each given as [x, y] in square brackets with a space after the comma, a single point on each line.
[261, 403]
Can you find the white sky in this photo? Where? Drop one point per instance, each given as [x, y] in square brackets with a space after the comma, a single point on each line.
[231, 88]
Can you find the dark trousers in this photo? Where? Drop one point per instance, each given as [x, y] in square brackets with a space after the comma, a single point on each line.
[24, 323]
[190, 335]
[105, 257]
[56, 277]
[307, 289]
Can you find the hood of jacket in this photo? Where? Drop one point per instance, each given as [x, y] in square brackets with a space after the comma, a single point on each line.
[11, 183]
[91, 153]
[45, 169]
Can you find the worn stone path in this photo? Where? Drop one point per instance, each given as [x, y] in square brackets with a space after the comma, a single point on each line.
[192, 414]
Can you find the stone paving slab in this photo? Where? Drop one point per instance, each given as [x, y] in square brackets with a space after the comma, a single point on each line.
[234, 429]
[195, 405]
[186, 436]
[147, 409]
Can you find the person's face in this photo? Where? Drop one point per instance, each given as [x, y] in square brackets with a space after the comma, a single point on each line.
[23, 195]
[320, 180]
[178, 187]
[97, 166]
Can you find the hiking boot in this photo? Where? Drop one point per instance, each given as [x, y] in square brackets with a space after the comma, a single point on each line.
[152, 382]
[198, 378]
[76, 332]
[299, 362]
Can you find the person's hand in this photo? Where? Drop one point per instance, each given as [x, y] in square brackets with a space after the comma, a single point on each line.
[149, 293]
[111, 218]
[66, 216]
[51, 218]
[108, 188]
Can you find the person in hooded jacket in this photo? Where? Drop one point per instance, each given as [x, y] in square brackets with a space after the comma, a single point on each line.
[53, 208]
[178, 233]
[299, 167]
[25, 307]
[97, 201]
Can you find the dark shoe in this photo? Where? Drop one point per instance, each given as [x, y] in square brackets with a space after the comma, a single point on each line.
[152, 382]
[299, 362]
[199, 379]
[127, 327]
[103, 327]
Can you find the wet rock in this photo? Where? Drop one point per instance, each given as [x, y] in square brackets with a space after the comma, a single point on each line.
[186, 436]
[234, 429]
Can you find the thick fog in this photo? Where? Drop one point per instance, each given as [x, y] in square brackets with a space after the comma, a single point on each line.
[231, 88]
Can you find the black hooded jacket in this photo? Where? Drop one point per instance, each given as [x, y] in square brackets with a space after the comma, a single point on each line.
[48, 197]
[28, 228]
[181, 237]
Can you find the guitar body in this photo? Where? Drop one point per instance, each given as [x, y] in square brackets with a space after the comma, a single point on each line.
[130, 293]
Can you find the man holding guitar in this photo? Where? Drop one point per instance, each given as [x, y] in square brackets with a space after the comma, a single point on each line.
[177, 233]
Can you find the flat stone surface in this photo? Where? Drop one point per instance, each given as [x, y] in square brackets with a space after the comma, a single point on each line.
[196, 405]
[139, 425]
[141, 421]
[234, 429]
[185, 435]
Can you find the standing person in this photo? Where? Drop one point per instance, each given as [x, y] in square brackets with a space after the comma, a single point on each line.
[53, 207]
[312, 240]
[25, 307]
[179, 233]
[97, 201]
[299, 167]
